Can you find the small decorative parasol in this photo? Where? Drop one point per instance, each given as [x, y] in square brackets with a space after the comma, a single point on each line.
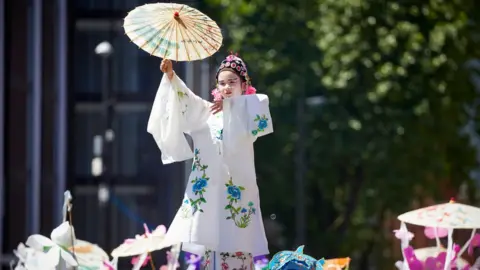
[173, 31]
[440, 221]
[451, 215]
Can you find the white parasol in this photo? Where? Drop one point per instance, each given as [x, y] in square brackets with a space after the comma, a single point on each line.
[448, 215]
[451, 215]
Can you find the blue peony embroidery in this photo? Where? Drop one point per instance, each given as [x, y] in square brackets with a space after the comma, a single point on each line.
[262, 124]
[199, 184]
[235, 192]
[240, 215]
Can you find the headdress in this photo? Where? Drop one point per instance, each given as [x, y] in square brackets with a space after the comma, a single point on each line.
[235, 64]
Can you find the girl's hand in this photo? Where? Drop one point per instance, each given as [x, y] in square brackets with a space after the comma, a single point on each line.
[217, 106]
[167, 67]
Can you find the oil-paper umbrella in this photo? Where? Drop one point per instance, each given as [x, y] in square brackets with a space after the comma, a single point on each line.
[450, 216]
[173, 31]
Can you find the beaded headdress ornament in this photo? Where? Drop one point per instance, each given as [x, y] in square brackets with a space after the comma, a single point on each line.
[235, 64]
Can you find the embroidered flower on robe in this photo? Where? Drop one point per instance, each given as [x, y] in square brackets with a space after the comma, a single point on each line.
[235, 192]
[262, 124]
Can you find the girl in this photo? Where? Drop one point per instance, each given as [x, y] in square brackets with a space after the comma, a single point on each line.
[220, 215]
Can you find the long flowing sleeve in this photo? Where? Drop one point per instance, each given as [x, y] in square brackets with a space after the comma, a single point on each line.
[245, 119]
[176, 110]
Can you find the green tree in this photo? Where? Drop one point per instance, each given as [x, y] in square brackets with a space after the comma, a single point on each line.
[392, 73]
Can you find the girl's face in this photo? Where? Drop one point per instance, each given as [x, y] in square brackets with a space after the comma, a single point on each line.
[230, 84]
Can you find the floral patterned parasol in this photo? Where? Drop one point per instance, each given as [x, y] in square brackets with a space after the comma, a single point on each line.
[450, 215]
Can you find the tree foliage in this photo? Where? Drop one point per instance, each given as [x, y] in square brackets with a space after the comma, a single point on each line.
[392, 74]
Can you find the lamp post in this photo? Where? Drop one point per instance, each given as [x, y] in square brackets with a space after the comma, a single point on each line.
[2, 123]
[102, 162]
[303, 104]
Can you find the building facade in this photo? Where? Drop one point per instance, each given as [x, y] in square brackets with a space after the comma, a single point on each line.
[53, 106]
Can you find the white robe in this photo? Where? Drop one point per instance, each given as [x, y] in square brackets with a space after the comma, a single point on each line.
[221, 207]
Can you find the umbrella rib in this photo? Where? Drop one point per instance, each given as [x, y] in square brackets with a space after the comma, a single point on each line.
[162, 38]
[184, 44]
[190, 10]
[143, 26]
[194, 21]
[204, 39]
[176, 40]
[201, 33]
[132, 16]
[201, 44]
[195, 33]
[136, 21]
[181, 8]
[203, 23]
[153, 36]
[169, 39]
[187, 33]
[142, 14]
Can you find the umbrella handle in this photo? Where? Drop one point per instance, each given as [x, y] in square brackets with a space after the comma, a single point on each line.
[151, 261]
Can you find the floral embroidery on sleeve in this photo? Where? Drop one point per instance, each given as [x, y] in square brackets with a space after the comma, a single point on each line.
[186, 210]
[181, 98]
[220, 134]
[240, 215]
[199, 183]
[262, 124]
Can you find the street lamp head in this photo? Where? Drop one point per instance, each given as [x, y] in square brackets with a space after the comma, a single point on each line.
[315, 101]
[104, 49]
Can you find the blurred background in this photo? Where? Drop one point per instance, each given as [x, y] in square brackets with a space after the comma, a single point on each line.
[374, 104]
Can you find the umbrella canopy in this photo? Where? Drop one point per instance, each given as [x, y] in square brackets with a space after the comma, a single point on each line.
[173, 31]
[450, 215]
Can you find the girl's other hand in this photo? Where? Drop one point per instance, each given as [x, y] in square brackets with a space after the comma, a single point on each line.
[217, 106]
